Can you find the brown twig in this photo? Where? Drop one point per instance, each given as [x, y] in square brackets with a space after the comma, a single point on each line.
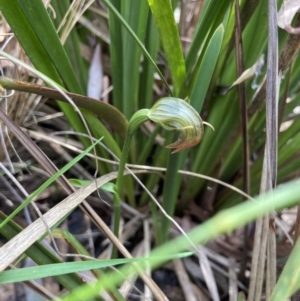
[287, 54]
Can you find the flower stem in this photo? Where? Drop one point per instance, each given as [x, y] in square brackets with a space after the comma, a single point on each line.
[136, 120]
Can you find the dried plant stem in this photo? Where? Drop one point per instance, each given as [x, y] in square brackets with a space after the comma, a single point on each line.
[269, 173]
[297, 225]
[272, 90]
[243, 120]
[288, 53]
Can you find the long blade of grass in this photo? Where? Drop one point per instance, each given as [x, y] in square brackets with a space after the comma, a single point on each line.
[242, 98]
[164, 18]
[136, 15]
[240, 68]
[116, 50]
[171, 190]
[205, 72]
[272, 94]
[56, 269]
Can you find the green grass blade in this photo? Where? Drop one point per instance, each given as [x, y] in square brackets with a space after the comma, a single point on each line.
[147, 76]
[116, 52]
[171, 189]
[207, 67]
[210, 19]
[289, 280]
[56, 269]
[164, 18]
[136, 15]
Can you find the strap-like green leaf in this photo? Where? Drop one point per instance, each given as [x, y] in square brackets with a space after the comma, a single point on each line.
[165, 22]
[206, 69]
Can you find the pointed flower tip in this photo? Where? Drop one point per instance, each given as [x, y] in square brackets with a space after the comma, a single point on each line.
[176, 114]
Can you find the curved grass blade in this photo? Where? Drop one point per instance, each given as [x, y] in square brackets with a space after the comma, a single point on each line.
[103, 110]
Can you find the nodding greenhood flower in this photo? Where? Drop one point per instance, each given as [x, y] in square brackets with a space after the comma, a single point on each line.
[172, 114]
[178, 115]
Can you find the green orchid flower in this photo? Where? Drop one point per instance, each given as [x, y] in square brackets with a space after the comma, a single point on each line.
[175, 114]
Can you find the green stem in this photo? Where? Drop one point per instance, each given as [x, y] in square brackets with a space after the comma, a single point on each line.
[136, 120]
